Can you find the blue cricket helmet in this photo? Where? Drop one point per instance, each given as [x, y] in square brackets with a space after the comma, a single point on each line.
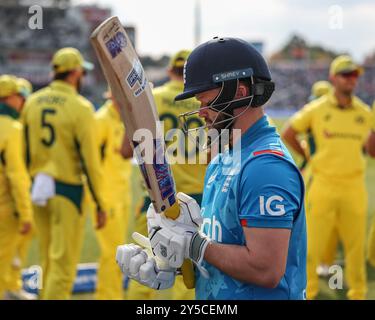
[226, 60]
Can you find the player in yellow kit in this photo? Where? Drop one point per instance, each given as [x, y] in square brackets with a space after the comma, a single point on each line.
[110, 135]
[337, 197]
[14, 277]
[319, 89]
[371, 153]
[189, 178]
[16, 218]
[60, 149]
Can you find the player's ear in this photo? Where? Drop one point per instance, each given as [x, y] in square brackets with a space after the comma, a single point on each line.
[169, 72]
[332, 78]
[242, 91]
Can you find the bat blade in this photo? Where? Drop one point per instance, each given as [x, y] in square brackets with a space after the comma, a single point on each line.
[131, 90]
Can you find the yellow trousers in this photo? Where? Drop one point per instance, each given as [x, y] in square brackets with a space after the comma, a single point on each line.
[12, 244]
[110, 284]
[342, 206]
[14, 276]
[138, 291]
[60, 227]
[329, 255]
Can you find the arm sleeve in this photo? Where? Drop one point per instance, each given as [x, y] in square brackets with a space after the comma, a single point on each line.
[301, 121]
[270, 193]
[87, 144]
[17, 175]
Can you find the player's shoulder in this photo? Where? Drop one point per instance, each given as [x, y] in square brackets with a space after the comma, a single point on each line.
[37, 94]
[80, 107]
[6, 122]
[361, 106]
[158, 90]
[270, 165]
[270, 173]
[10, 126]
[102, 115]
[316, 105]
[84, 102]
[102, 111]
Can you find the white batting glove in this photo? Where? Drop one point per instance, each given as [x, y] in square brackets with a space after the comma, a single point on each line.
[173, 241]
[139, 264]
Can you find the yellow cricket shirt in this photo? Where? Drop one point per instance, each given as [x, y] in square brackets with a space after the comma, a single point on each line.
[339, 135]
[61, 138]
[14, 179]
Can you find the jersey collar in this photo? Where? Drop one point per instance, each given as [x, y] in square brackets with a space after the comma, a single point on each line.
[334, 103]
[8, 111]
[63, 86]
[259, 128]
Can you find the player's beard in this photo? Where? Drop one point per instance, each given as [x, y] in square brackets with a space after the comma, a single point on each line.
[347, 92]
[79, 85]
[221, 123]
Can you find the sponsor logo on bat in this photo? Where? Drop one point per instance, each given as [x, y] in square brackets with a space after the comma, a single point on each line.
[137, 75]
[116, 44]
[163, 177]
[162, 171]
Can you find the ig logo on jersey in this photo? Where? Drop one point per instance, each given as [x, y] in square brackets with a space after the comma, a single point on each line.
[265, 206]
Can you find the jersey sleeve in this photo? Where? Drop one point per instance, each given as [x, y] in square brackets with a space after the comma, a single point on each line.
[301, 121]
[270, 193]
[17, 175]
[90, 156]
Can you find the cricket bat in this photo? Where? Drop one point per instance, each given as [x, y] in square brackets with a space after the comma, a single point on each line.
[132, 92]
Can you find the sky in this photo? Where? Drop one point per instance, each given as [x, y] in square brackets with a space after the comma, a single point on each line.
[166, 26]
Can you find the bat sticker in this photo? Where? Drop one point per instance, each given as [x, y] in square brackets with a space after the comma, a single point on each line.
[116, 44]
[135, 75]
[163, 177]
[162, 171]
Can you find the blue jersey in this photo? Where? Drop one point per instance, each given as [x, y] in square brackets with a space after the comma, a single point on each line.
[262, 190]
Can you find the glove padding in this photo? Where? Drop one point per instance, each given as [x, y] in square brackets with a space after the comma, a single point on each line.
[139, 264]
[172, 241]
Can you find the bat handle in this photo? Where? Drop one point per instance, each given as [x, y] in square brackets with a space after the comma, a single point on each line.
[187, 268]
[173, 212]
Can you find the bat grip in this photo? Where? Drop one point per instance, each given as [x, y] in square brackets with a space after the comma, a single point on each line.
[187, 268]
[173, 212]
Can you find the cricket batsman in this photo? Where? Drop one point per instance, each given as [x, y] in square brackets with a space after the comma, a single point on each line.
[60, 150]
[16, 217]
[248, 238]
[337, 197]
[189, 176]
